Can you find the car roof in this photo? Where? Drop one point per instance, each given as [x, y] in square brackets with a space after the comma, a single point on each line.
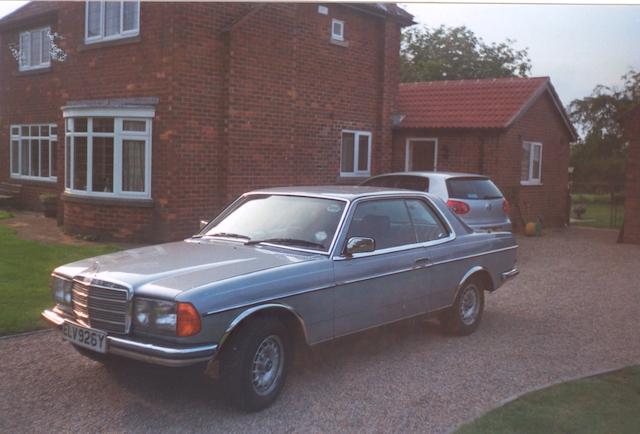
[346, 192]
[426, 174]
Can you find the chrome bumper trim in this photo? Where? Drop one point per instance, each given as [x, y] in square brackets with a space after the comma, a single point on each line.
[145, 352]
[510, 274]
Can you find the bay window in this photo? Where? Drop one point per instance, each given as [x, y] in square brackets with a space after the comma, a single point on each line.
[108, 156]
[531, 163]
[108, 20]
[355, 153]
[33, 151]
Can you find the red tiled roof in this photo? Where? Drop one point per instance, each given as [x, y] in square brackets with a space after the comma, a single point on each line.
[489, 103]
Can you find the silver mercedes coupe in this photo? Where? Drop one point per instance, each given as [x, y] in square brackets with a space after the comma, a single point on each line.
[279, 266]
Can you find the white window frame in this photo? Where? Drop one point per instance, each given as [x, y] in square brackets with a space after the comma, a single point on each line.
[407, 151]
[532, 180]
[337, 36]
[53, 141]
[356, 153]
[119, 135]
[101, 37]
[25, 52]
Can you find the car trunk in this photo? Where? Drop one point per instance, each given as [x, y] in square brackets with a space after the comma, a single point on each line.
[484, 199]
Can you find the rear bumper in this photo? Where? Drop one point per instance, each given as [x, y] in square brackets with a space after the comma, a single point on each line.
[507, 275]
[173, 356]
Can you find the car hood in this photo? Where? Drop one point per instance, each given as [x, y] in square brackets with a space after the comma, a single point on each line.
[165, 270]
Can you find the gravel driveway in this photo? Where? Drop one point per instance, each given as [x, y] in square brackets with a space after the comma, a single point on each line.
[573, 310]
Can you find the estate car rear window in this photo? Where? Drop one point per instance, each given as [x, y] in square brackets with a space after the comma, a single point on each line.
[417, 183]
[472, 188]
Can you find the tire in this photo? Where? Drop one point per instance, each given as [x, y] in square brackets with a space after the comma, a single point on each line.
[251, 385]
[463, 318]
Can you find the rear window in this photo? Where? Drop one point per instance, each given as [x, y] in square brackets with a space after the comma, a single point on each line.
[418, 183]
[472, 188]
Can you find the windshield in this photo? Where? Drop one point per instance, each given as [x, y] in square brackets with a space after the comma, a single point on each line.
[294, 221]
[472, 188]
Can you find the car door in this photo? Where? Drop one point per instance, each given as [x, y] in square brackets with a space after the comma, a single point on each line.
[387, 284]
[433, 232]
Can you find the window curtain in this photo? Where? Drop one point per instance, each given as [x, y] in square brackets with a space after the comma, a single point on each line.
[133, 165]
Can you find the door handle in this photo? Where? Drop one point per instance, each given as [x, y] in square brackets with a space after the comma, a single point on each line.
[421, 262]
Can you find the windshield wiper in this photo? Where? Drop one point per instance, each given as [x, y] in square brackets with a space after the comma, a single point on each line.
[292, 241]
[228, 235]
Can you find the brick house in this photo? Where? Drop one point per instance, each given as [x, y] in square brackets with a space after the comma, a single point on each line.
[514, 130]
[162, 113]
[631, 230]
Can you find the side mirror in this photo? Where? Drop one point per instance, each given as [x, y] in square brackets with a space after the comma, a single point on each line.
[203, 224]
[359, 245]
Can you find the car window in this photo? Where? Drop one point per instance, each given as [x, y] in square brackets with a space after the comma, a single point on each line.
[472, 188]
[386, 221]
[406, 182]
[427, 225]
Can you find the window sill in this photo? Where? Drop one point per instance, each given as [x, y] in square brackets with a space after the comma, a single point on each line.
[531, 183]
[35, 71]
[339, 42]
[34, 180]
[107, 201]
[110, 43]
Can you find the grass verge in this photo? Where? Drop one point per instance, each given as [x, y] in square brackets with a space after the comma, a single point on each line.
[25, 267]
[608, 403]
[5, 214]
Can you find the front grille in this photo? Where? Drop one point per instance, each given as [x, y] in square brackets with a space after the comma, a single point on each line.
[101, 307]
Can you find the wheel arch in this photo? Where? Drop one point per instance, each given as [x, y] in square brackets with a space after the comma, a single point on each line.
[287, 314]
[481, 273]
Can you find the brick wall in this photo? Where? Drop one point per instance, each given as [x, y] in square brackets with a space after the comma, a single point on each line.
[498, 154]
[249, 96]
[549, 201]
[632, 187]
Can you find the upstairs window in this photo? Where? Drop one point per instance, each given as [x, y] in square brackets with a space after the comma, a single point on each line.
[33, 151]
[337, 30]
[531, 163]
[35, 47]
[356, 153]
[109, 20]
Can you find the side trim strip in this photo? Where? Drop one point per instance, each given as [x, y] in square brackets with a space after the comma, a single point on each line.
[319, 288]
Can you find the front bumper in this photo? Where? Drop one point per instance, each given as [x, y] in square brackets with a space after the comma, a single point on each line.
[173, 356]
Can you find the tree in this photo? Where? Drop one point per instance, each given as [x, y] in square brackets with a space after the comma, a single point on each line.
[599, 157]
[455, 53]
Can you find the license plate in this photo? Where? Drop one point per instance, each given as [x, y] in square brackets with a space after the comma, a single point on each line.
[92, 339]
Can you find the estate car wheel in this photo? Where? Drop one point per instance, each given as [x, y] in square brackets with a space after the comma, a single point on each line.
[254, 363]
[464, 316]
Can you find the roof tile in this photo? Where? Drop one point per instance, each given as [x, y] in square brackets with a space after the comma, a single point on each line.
[488, 103]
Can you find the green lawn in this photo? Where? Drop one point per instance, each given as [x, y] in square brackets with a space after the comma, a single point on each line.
[608, 403]
[25, 267]
[598, 214]
[5, 214]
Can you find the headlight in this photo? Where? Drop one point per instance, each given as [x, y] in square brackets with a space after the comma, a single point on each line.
[61, 290]
[155, 316]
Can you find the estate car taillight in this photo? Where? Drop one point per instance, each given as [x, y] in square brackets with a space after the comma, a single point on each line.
[506, 207]
[458, 207]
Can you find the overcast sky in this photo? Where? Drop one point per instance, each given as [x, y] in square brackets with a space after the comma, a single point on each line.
[578, 46]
